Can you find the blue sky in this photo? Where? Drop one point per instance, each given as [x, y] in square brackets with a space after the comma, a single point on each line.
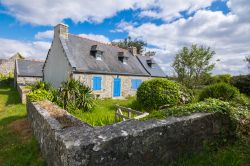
[166, 26]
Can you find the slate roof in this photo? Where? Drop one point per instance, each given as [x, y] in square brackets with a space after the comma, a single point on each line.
[78, 53]
[154, 71]
[29, 68]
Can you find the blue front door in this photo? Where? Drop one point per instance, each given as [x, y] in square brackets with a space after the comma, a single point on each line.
[117, 87]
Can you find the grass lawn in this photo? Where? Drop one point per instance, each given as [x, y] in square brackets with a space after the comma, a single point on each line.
[237, 154]
[17, 145]
[104, 111]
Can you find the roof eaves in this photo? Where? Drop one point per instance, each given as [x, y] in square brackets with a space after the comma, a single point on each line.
[17, 71]
[67, 53]
[108, 73]
[23, 75]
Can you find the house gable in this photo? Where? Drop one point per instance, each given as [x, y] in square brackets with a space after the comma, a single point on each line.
[57, 67]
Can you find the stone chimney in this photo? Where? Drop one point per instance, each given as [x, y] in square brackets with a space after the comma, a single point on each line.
[61, 30]
[133, 50]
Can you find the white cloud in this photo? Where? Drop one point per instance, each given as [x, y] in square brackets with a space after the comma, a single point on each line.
[240, 8]
[226, 34]
[169, 9]
[47, 12]
[100, 38]
[45, 35]
[32, 50]
[124, 26]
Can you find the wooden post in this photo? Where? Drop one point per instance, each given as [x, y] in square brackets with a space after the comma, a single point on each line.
[129, 114]
[119, 113]
[115, 115]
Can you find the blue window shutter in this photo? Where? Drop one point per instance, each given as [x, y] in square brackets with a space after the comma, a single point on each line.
[138, 83]
[135, 83]
[97, 83]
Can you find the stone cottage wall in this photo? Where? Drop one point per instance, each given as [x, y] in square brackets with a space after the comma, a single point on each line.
[7, 67]
[107, 84]
[27, 80]
[66, 141]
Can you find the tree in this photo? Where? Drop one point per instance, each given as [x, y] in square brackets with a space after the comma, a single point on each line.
[128, 42]
[248, 61]
[192, 65]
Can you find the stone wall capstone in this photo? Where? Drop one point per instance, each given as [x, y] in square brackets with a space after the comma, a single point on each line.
[23, 91]
[67, 141]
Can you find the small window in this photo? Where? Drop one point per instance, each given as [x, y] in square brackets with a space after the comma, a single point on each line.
[122, 57]
[135, 83]
[97, 52]
[97, 83]
[98, 56]
[151, 63]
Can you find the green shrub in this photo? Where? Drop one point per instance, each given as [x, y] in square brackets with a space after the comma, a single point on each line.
[6, 79]
[85, 98]
[242, 83]
[40, 95]
[158, 92]
[241, 113]
[209, 105]
[78, 95]
[226, 78]
[40, 85]
[186, 95]
[220, 91]
[72, 95]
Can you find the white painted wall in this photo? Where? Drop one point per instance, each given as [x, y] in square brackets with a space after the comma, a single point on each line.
[57, 68]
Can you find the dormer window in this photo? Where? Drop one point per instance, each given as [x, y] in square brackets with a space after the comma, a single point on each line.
[151, 63]
[96, 52]
[98, 55]
[123, 58]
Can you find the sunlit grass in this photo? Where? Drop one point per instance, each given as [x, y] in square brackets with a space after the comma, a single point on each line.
[13, 150]
[104, 111]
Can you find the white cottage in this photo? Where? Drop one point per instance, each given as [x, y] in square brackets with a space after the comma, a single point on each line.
[109, 70]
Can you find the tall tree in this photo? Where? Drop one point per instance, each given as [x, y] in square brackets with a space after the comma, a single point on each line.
[128, 42]
[248, 61]
[192, 65]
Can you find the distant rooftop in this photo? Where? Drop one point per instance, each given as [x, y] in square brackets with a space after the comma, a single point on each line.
[29, 68]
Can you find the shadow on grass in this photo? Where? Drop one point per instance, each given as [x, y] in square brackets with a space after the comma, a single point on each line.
[18, 149]
[11, 94]
[10, 119]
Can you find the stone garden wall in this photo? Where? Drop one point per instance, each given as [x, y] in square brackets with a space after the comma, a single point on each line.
[66, 141]
[23, 91]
